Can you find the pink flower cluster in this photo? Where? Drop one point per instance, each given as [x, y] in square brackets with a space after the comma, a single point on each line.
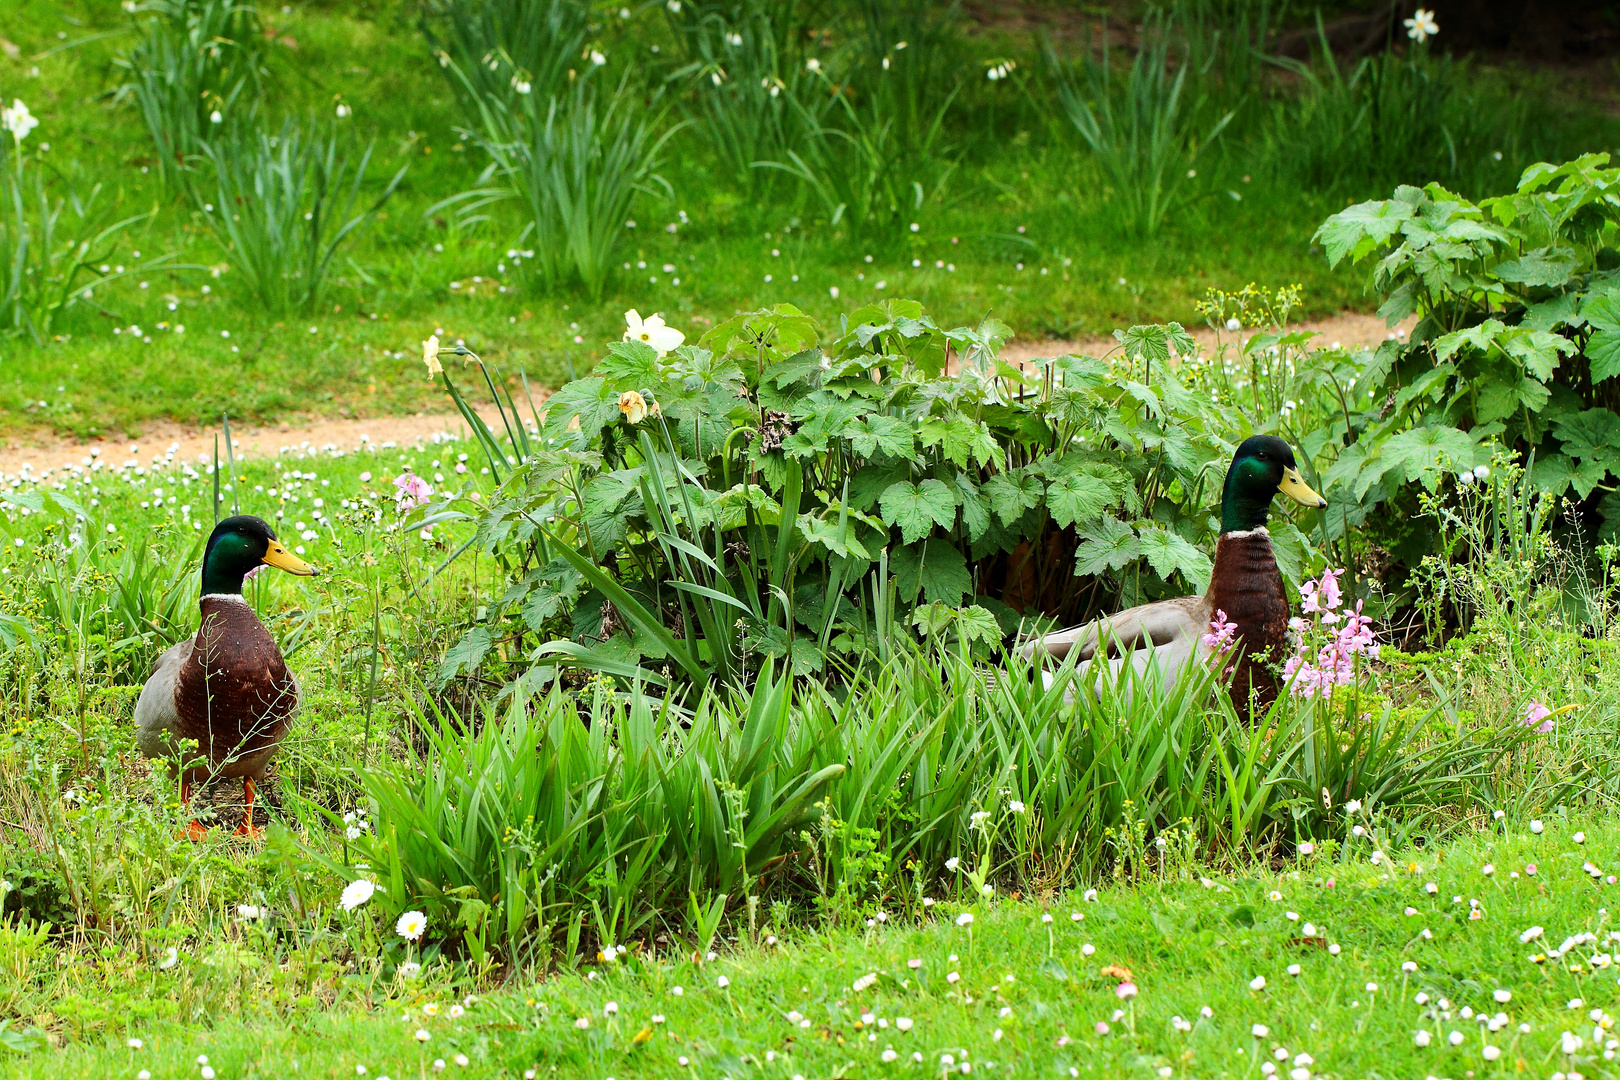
[1333, 663]
[1322, 597]
[1539, 717]
[411, 491]
[1221, 633]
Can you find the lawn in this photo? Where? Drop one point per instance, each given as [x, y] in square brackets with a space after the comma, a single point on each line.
[1018, 221]
[1489, 955]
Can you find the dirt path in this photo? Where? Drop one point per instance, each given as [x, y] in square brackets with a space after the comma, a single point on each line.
[188, 443]
[1350, 330]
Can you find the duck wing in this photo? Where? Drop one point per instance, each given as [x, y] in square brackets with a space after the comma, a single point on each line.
[1162, 623]
[157, 718]
[1155, 670]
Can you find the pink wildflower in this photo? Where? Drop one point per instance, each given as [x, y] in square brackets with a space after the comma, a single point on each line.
[411, 491]
[1334, 661]
[1331, 597]
[1538, 716]
[1221, 633]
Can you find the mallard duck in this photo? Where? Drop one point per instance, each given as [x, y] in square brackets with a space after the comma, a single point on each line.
[228, 689]
[1245, 585]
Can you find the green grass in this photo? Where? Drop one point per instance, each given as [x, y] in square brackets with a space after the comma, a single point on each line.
[1023, 195]
[1030, 996]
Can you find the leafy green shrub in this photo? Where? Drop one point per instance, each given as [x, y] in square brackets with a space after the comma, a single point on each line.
[1517, 341]
[196, 60]
[281, 207]
[785, 499]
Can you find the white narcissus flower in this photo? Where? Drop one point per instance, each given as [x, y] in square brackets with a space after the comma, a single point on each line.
[356, 893]
[1421, 26]
[411, 926]
[18, 120]
[652, 331]
[634, 406]
[430, 355]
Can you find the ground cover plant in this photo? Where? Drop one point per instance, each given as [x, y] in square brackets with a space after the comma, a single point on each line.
[662, 705]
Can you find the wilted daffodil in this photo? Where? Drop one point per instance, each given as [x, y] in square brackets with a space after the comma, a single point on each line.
[430, 356]
[633, 405]
[652, 331]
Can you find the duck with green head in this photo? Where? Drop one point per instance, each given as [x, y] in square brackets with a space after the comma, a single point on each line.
[1245, 585]
[227, 691]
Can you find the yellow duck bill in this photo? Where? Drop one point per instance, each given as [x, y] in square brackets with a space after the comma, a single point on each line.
[1294, 486]
[282, 559]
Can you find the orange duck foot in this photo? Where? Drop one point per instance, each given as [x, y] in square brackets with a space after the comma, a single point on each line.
[249, 831]
[196, 832]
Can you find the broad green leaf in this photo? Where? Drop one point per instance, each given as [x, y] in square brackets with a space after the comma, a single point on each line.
[553, 595]
[1603, 354]
[1481, 337]
[804, 368]
[1422, 453]
[1537, 350]
[1107, 545]
[975, 506]
[873, 480]
[40, 497]
[935, 567]
[961, 439]
[782, 328]
[1594, 433]
[1076, 498]
[631, 365]
[933, 619]
[1602, 310]
[1011, 493]
[1541, 267]
[877, 433]
[467, 653]
[1553, 473]
[826, 532]
[592, 401]
[1168, 553]
[917, 508]
[1559, 311]
[1588, 475]
[805, 657]
[1357, 230]
[976, 623]
[1156, 341]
